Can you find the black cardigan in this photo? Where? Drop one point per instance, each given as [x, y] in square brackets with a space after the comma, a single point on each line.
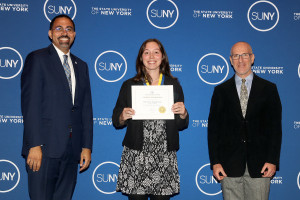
[134, 133]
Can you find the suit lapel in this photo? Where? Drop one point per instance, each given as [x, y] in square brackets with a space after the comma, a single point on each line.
[75, 66]
[57, 65]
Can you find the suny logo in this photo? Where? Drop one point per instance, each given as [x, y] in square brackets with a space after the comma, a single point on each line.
[105, 177]
[263, 16]
[9, 176]
[55, 7]
[110, 66]
[206, 182]
[11, 63]
[212, 69]
[298, 180]
[162, 14]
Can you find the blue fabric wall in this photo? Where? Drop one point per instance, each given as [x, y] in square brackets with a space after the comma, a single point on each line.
[197, 36]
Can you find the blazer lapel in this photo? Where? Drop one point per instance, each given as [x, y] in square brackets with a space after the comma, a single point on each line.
[253, 93]
[57, 65]
[235, 97]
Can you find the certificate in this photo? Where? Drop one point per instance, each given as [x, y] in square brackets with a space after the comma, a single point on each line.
[152, 102]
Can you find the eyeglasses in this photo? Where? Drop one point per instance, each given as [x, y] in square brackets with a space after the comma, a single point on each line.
[244, 56]
[60, 29]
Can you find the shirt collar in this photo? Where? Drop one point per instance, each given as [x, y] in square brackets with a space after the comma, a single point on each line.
[60, 53]
[249, 78]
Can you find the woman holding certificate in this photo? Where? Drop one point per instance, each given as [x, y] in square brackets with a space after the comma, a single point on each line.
[148, 165]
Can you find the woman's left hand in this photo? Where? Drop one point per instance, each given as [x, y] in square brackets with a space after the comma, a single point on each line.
[179, 108]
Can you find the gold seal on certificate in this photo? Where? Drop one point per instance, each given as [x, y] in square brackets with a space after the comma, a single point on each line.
[162, 109]
[152, 102]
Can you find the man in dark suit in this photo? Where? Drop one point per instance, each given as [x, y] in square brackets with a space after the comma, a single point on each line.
[57, 111]
[244, 130]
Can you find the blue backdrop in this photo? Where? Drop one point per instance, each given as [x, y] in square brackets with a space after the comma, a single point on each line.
[197, 36]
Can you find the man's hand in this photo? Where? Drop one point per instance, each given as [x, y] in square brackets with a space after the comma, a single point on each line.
[34, 159]
[85, 158]
[268, 170]
[217, 168]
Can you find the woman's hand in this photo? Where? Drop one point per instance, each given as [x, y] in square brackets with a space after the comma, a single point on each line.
[179, 108]
[127, 113]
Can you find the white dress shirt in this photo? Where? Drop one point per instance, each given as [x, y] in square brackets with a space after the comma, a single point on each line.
[73, 80]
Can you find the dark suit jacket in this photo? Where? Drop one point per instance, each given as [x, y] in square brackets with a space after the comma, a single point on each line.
[134, 133]
[47, 107]
[234, 140]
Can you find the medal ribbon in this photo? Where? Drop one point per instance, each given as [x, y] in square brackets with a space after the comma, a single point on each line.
[160, 81]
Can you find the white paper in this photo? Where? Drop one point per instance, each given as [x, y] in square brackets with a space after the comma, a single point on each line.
[152, 102]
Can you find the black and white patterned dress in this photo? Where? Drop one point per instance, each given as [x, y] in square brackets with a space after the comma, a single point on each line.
[153, 170]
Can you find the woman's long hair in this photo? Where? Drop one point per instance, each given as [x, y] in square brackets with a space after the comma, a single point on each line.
[141, 71]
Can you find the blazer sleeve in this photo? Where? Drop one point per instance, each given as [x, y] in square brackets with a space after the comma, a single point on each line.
[179, 97]
[214, 121]
[274, 127]
[120, 105]
[31, 100]
[87, 114]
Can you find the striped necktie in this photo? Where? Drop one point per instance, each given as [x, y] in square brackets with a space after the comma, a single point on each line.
[67, 71]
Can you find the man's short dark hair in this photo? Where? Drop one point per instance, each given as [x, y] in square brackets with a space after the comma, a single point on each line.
[61, 16]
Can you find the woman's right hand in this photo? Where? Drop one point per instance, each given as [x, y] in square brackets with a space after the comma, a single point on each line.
[127, 113]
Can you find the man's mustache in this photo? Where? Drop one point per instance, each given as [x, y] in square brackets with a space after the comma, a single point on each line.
[64, 37]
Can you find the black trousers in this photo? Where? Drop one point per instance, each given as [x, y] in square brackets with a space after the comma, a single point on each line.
[56, 178]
